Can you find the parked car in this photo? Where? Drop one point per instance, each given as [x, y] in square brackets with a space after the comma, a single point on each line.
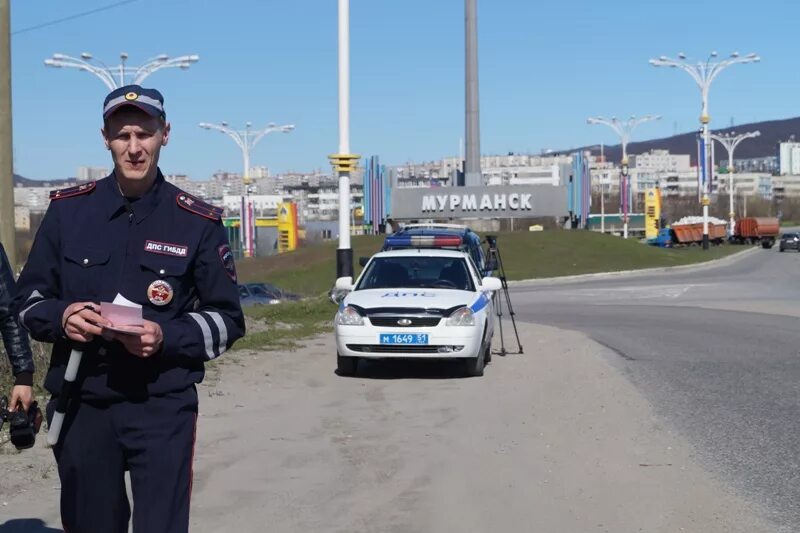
[416, 303]
[790, 241]
[263, 294]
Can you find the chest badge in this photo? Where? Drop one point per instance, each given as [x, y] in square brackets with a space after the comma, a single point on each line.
[160, 293]
[165, 248]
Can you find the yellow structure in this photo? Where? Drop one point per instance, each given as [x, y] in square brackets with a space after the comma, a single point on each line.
[286, 222]
[344, 162]
[652, 212]
[287, 227]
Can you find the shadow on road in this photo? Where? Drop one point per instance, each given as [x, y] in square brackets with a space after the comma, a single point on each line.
[409, 369]
[27, 525]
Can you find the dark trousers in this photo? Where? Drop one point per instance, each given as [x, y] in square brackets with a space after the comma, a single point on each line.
[154, 439]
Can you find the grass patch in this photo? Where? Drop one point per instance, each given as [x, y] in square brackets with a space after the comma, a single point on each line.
[309, 271]
[279, 326]
[550, 254]
[526, 255]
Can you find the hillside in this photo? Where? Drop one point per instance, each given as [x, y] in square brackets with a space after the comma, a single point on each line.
[772, 132]
[20, 181]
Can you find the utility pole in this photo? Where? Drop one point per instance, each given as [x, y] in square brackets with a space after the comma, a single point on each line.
[472, 171]
[7, 226]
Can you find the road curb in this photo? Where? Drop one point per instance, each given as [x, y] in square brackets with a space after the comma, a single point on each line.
[639, 272]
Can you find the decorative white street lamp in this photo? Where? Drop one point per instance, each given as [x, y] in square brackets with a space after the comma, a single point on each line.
[703, 73]
[120, 75]
[246, 140]
[730, 141]
[624, 129]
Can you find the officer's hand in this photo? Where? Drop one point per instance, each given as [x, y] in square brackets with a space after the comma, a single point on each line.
[21, 394]
[145, 345]
[82, 322]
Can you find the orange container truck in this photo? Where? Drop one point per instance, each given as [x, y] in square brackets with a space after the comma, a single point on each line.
[757, 230]
[688, 234]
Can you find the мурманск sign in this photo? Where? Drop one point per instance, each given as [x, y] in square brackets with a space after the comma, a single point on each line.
[479, 202]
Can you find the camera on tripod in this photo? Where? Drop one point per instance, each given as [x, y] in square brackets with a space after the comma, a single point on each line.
[492, 262]
[22, 427]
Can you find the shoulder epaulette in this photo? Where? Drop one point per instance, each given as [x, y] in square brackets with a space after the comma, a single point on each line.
[198, 207]
[84, 188]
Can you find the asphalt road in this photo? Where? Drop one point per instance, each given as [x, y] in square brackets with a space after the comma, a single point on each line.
[715, 351]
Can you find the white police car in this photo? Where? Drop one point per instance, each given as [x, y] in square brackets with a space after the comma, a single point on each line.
[416, 303]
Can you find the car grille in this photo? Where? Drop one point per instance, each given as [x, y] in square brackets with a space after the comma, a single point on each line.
[402, 348]
[416, 321]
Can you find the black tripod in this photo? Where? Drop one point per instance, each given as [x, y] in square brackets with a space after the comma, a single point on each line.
[495, 263]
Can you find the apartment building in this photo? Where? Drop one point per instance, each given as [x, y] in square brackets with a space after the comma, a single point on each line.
[510, 169]
[662, 161]
[22, 218]
[34, 198]
[322, 202]
[789, 158]
[92, 173]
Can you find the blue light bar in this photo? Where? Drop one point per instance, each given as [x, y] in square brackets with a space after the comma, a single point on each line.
[423, 241]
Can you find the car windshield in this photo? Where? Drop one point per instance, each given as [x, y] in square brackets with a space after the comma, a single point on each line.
[417, 272]
[264, 290]
[789, 235]
[273, 289]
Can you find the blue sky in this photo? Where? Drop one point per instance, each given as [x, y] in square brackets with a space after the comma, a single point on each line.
[544, 68]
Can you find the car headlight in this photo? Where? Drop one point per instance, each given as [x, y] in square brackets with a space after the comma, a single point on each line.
[349, 317]
[462, 317]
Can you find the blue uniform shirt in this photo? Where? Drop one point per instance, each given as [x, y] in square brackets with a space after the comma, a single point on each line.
[167, 251]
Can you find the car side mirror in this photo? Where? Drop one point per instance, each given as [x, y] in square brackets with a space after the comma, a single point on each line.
[490, 284]
[344, 284]
[340, 290]
[363, 261]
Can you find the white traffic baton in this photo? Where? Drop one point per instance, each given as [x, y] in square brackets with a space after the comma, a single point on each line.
[54, 428]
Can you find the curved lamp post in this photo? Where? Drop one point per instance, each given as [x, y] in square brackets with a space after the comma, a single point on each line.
[704, 73]
[730, 141]
[624, 129]
[246, 140]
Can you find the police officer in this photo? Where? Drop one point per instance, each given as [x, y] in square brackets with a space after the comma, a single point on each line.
[15, 340]
[130, 237]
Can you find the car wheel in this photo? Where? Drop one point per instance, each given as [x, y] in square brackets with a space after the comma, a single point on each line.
[473, 366]
[487, 354]
[346, 366]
